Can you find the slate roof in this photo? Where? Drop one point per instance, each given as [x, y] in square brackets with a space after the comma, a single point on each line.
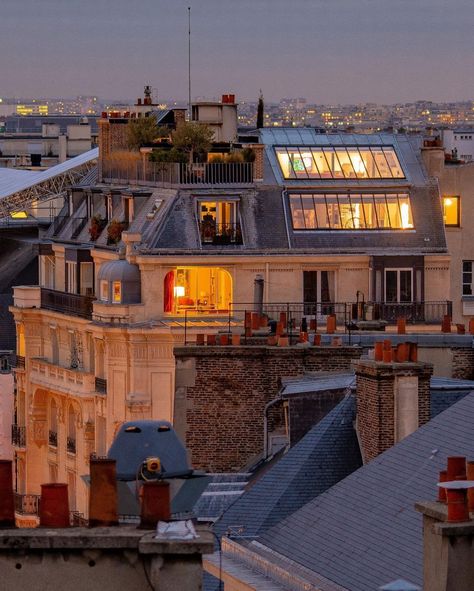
[364, 531]
[325, 455]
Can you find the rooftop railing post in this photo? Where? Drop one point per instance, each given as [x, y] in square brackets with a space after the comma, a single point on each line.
[185, 327]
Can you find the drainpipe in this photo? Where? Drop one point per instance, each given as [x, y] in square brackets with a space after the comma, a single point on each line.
[258, 286]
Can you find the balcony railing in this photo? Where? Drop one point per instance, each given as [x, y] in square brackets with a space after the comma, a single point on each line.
[20, 362]
[27, 504]
[53, 438]
[101, 385]
[67, 303]
[220, 234]
[179, 174]
[71, 445]
[18, 436]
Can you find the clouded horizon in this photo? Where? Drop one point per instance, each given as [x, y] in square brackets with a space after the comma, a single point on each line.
[329, 51]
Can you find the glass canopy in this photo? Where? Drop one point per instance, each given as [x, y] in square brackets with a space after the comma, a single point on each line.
[363, 211]
[358, 162]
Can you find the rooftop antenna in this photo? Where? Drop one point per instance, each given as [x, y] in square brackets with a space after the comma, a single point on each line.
[189, 63]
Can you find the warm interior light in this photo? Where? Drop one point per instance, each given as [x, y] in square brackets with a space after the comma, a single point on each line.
[179, 291]
[448, 201]
[18, 215]
[405, 212]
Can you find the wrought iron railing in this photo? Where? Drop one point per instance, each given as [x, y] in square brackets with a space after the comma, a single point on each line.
[53, 438]
[349, 315]
[19, 435]
[26, 504]
[220, 234]
[20, 362]
[176, 173]
[101, 385]
[71, 445]
[67, 303]
[77, 519]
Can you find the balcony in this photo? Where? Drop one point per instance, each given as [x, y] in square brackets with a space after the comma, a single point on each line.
[220, 234]
[71, 445]
[18, 436]
[53, 438]
[20, 362]
[72, 304]
[101, 385]
[26, 504]
[61, 379]
[174, 174]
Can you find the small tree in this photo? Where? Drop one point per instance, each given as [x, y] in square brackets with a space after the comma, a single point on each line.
[143, 131]
[192, 138]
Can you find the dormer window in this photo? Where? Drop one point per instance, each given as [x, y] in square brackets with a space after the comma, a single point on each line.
[218, 222]
[104, 290]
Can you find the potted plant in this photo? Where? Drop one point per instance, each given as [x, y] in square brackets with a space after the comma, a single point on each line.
[114, 232]
[96, 227]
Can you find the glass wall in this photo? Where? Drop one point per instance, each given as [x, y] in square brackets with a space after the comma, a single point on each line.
[339, 163]
[347, 211]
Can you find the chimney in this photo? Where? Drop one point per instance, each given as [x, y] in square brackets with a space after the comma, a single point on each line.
[393, 400]
[448, 533]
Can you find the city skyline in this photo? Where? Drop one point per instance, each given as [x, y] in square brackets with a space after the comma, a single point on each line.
[383, 52]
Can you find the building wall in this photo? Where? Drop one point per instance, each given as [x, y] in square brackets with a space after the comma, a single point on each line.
[6, 415]
[64, 356]
[456, 180]
[222, 392]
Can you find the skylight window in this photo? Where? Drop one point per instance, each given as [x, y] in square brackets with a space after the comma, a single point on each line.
[376, 162]
[343, 211]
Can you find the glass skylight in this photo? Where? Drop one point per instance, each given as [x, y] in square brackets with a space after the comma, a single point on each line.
[304, 162]
[344, 211]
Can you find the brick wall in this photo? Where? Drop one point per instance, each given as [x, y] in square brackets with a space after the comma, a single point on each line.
[222, 392]
[463, 363]
[375, 384]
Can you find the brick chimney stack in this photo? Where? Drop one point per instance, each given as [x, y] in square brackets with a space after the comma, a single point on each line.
[393, 400]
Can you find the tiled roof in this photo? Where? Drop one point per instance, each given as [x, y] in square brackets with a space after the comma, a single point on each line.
[325, 455]
[364, 531]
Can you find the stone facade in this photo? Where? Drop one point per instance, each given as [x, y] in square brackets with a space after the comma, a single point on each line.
[376, 402]
[222, 392]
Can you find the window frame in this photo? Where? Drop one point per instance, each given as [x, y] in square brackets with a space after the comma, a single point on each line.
[457, 200]
[465, 283]
[332, 158]
[336, 210]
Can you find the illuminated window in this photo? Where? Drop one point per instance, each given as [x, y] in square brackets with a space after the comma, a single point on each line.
[348, 211]
[104, 290]
[116, 292]
[201, 290]
[339, 163]
[218, 222]
[451, 211]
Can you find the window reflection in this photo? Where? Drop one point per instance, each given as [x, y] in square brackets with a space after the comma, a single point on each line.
[348, 211]
[339, 163]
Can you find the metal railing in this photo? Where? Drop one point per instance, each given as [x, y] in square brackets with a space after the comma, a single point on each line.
[177, 173]
[77, 519]
[53, 438]
[20, 362]
[219, 234]
[19, 435]
[349, 315]
[26, 504]
[101, 385]
[71, 445]
[67, 303]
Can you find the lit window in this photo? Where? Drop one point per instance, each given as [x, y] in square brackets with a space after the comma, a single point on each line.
[218, 222]
[199, 290]
[339, 163]
[104, 291]
[348, 211]
[451, 211]
[467, 278]
[117, 292]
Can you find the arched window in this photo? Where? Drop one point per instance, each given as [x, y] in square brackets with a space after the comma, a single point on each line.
[203, 290]
[71, 430]
[53, 424]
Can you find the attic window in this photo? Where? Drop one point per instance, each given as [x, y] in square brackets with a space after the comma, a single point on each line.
[117, 292]
[133, 429]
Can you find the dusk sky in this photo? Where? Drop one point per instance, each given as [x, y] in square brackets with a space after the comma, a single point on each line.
[340, 51]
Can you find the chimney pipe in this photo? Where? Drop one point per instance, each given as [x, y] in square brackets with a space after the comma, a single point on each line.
[258, 293]
[54, 505]
[155, 503]
[103, 493]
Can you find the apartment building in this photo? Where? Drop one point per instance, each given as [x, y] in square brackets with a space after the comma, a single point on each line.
[128, 272]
